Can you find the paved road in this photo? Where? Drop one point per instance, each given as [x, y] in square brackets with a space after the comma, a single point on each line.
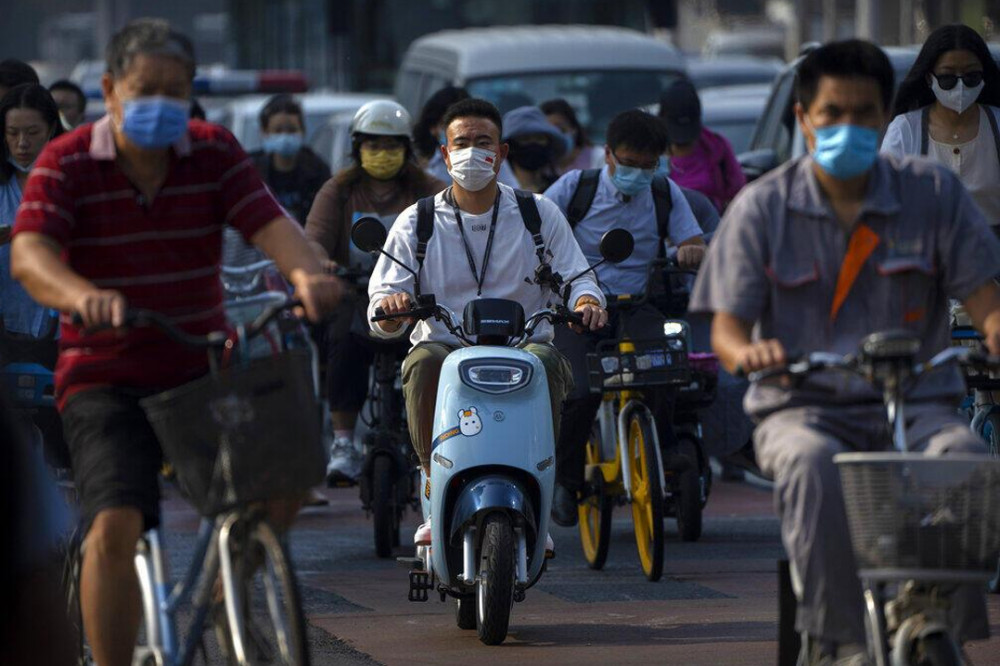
[716, 603]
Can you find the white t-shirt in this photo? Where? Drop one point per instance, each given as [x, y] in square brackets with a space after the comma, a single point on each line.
[976, 162]
[447, 273]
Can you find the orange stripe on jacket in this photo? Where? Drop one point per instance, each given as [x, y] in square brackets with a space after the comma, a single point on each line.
[863, 242]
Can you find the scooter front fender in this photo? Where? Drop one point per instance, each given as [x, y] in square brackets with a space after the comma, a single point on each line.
[491, 493]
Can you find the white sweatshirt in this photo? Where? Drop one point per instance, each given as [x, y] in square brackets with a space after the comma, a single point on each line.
[447, 274]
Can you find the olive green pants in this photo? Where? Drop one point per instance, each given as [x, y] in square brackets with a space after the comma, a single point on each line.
[421, 371]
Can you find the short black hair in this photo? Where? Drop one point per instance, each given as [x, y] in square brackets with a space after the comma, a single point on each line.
[848, 58]
[65, 84]
[147, 36]
[14, 72]
[561, 107]
[473, 108]
[638, 130]
[282, 103]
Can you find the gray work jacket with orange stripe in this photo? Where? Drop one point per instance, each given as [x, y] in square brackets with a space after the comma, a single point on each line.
[777, 258]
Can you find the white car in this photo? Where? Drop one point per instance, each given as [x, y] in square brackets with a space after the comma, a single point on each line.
[243, 114]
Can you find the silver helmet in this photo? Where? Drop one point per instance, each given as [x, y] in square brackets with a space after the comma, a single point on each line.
[381, 118]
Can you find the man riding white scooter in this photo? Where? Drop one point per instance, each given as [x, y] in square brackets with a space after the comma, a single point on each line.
[479, 239]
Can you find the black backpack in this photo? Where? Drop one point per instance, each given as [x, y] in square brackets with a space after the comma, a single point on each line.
[525, 202]
[586, 189]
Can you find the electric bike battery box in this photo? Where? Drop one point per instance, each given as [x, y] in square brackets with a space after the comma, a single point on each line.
[493, 318]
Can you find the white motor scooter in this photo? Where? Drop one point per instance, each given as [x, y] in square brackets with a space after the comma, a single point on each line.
[493, 455]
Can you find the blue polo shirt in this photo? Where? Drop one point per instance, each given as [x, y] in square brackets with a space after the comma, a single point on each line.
[612, 210]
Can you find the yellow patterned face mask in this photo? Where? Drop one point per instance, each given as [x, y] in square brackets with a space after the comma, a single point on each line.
[382, 164]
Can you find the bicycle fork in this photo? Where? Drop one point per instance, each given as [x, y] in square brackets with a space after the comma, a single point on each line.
[151, 571]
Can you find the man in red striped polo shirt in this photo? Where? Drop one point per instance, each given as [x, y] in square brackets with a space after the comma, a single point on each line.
[129, 212]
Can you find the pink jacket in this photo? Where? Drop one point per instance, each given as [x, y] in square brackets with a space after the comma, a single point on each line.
[711, 169]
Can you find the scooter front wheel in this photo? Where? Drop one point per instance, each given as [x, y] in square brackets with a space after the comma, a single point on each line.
[495, 582]
[647, 496]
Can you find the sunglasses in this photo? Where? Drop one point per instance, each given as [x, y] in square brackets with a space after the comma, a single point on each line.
[949, 81]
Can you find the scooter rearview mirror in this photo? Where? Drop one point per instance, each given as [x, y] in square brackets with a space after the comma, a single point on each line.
[617, 245]
[368, 234]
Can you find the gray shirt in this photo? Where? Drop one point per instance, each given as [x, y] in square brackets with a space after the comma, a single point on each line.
[776, 258]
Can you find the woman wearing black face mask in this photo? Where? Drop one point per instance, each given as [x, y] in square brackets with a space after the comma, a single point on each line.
[948, 108]
[535, 147]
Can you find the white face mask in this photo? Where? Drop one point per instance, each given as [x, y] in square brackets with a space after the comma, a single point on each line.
[959, 98]
[472, 168]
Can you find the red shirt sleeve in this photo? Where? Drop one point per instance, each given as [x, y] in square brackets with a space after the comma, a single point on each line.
[47, 206]
[248, 203]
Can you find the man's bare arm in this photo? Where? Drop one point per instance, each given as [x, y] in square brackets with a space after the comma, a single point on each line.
[732, 343]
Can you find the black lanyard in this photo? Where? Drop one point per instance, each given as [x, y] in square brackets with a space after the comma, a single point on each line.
[479, 278]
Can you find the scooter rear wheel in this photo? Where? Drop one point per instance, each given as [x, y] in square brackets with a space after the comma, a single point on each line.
[465, 613]
[647, 496]
[495, 582]
[595, 509]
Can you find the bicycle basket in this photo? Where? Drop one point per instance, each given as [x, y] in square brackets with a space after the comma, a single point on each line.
[913, 516]
[646, 363]
[250, 432]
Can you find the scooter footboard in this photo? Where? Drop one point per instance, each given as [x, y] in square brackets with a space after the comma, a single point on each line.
[492, 493]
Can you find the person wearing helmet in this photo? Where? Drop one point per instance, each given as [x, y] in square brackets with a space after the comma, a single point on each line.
[383, 181]
[291, 169]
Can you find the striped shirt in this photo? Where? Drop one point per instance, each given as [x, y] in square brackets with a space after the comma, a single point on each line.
[161, 255]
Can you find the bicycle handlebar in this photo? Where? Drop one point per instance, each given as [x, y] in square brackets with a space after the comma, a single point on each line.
[626, 301]
[817, 361]
[216, 339]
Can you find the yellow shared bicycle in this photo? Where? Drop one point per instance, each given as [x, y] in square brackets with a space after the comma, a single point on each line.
[624, 462]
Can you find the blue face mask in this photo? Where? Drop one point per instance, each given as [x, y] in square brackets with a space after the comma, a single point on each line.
[630, 181]
[845, 151]
[155, 122]
[22, 169]
[662, 166]
[286, 145]
[570, 139]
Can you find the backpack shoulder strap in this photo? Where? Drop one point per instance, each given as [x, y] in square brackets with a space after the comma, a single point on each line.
[583, 196]
[924, 129]
[991, 115]
[663, 203]
[532, 220]
[425, 228]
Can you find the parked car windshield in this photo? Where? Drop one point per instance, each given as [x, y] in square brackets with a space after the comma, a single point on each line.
[595, 96]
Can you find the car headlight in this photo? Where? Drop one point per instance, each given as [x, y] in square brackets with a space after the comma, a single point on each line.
[495, 375]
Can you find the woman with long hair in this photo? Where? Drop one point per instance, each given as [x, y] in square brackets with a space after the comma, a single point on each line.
[29, 118]
[383, 181]
[948, 108]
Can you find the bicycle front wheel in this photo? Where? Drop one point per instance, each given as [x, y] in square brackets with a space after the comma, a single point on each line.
[271, 628]
[647, 496]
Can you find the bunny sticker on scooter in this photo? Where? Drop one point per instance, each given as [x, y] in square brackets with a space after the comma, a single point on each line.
[469, 422]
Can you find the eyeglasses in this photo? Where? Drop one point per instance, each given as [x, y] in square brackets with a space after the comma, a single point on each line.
[949, 81]
[646, 166]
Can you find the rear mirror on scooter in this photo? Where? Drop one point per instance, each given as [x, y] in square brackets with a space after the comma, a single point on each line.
[617, 245]
[369, 234]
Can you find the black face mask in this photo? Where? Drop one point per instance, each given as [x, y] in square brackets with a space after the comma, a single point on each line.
[531, 157]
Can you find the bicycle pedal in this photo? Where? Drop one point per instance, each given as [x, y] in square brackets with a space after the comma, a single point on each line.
[409, 562]
[420, 584]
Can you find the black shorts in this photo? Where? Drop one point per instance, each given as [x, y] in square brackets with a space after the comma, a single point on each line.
[115, 454]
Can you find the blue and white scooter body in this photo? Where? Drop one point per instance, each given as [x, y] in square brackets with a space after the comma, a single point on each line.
[493, 450]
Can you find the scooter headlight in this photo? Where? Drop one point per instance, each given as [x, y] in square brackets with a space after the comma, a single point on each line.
[495, 375]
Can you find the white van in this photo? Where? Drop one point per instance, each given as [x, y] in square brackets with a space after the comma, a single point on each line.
[599, 70]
